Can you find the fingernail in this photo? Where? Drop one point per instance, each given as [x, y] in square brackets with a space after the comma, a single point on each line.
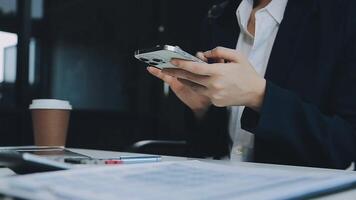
[174, 62]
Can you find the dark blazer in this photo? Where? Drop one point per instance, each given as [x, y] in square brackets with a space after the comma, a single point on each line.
[308, 116]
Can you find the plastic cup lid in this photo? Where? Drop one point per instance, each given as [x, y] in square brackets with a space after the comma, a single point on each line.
[50, 104]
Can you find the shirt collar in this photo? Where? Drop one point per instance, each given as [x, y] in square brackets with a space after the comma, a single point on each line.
[275, 8]
[243, 13]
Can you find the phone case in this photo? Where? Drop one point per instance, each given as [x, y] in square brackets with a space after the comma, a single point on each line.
[160, 57]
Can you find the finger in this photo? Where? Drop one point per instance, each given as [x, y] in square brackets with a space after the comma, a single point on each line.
[219, 60]
[158, 73]
[200, 89]
[201, 56]
[182, 74]
[194, 67]
[224, 53]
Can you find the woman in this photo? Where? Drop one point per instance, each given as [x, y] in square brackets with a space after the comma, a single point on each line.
[286, 71]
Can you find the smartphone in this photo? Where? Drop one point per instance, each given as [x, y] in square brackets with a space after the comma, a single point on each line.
[160, 56]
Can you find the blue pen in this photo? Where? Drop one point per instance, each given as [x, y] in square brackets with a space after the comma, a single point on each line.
[140, 159]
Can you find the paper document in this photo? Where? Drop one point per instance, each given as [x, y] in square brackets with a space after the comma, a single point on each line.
[174, 180]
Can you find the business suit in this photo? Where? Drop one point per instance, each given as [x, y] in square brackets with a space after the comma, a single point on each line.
[309, 112]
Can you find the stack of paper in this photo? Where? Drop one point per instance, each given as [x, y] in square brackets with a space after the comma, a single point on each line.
[174, 180]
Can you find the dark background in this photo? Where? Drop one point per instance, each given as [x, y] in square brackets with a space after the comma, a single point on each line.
[84, 53]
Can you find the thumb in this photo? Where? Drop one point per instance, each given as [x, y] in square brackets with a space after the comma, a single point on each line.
[230, 55]
[201, 56]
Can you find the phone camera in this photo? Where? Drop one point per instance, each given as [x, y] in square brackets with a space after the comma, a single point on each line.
[157, 60]
[144, 59]
[153, 63]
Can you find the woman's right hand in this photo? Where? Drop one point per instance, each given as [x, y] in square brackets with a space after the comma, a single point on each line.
[184, 90]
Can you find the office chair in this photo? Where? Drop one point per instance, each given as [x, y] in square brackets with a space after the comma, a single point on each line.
[160, 147]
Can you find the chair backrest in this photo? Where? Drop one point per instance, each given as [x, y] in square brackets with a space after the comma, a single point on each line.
[160, 147]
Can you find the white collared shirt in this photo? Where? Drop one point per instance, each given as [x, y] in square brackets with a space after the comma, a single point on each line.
[258, 50]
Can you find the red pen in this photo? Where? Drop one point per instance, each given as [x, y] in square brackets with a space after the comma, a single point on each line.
[112, 162]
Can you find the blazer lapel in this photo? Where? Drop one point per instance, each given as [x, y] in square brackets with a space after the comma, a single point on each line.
[288, 38]
[284, 51]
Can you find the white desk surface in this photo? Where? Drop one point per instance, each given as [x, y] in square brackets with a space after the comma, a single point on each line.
[345, 195]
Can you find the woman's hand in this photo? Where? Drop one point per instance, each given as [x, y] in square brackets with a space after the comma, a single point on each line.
[184, 89]
[231, 81]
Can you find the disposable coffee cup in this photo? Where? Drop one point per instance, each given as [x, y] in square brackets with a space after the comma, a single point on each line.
[50, 119]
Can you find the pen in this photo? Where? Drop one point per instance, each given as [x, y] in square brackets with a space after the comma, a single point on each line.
[90, 161]
[114, 161]
[134, 160]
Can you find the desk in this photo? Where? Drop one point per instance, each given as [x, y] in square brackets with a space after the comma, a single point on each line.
[351, 194]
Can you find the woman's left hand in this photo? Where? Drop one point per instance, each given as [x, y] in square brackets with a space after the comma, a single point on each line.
[231, 82]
